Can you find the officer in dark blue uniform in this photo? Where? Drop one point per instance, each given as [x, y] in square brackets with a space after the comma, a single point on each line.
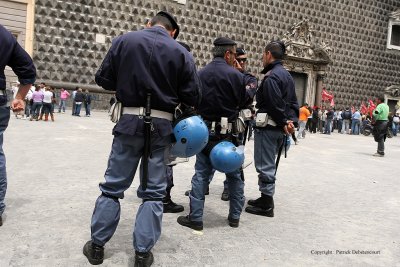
[169, 205]
[13, 55]
[251, 88]
[146, 68]
[224, 93]
[277, 115]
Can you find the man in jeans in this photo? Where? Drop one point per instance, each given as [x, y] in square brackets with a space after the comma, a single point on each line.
[13, 55]
[346, 115]
[380, 115]
[64, 94]
[355, 122]
[304, 114]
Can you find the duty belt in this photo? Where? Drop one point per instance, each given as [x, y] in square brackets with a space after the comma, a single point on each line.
[216, 128]
[142, 112]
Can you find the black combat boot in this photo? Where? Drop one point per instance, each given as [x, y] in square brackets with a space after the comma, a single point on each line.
[1, 221]
[171, 207]
[233, 222]
[263, 206]
[94, 253]
[185, 221]
[143, 259]
[225, 195]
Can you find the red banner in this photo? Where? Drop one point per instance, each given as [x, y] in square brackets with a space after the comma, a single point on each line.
[364, 109]
[371, 107]
[326, 96]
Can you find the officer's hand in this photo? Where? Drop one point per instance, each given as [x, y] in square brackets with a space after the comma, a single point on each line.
[289, 127]
[237, 66]
[17, 105]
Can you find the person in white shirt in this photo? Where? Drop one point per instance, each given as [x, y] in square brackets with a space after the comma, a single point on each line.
[47, 104]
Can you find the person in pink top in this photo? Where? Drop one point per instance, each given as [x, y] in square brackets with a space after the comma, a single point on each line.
[64, 94]
[37, 98]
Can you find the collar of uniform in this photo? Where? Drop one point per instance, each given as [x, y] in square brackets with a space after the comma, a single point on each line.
[271, 66]
[219, 60]
[159, 29]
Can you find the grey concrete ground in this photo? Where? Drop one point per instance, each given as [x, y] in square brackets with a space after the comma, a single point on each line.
[331, 196]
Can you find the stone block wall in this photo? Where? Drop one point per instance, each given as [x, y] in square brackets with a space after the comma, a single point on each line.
[66, 51]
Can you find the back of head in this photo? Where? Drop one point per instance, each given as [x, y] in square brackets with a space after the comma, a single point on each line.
[166, 20]
[163, 21]
[277, 49]
[221, 45]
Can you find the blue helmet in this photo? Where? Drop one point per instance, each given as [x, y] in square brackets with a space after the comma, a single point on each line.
[191, 136]
[226, 157]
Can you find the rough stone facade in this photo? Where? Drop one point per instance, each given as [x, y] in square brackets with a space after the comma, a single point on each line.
[360, 66]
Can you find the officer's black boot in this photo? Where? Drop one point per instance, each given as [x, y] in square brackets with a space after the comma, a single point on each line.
[1, 221]
[171, 207]
[263, 206]
[185, 221]
[225, 195]
[143, 259]
[94, 253]
[256, 202]
[233, 222]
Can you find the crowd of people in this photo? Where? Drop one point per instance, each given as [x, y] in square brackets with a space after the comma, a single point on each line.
[41, 100]
[344, 121]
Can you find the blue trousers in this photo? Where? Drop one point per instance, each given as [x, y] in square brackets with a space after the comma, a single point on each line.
[266, 147]
[4, 119]
[204, 173]
[124, 159]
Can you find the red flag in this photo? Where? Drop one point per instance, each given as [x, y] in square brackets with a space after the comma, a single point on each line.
[364, 108]
[326, 96]
[371, 107]
[332, 102]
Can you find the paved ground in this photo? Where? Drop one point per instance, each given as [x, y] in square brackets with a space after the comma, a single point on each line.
[332, 195]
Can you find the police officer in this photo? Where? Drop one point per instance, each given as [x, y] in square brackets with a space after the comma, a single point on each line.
[146, 68]
[251, 87]
[169, 205]
[277, 104]
[224, 92]
[13, 55]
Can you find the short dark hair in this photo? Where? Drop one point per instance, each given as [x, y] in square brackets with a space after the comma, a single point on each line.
[381, 98]
[220, 50]
[276, 48]
[161, 20]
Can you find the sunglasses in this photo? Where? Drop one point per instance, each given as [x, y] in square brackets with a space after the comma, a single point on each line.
[241, 59]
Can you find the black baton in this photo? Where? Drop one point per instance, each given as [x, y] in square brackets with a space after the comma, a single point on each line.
[147, 142]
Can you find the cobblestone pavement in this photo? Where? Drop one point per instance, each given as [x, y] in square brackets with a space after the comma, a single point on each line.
[331, 196]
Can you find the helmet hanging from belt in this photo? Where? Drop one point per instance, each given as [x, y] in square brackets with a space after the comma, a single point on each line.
[226, 157]
[191, 136]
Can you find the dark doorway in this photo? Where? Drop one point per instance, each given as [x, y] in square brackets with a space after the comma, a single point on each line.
[300, 82]
[392, 105]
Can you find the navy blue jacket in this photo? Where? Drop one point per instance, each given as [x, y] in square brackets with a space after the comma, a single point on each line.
[149, 60]
[251, 87]
[13, 55]
[223, 91]
[276, 95]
